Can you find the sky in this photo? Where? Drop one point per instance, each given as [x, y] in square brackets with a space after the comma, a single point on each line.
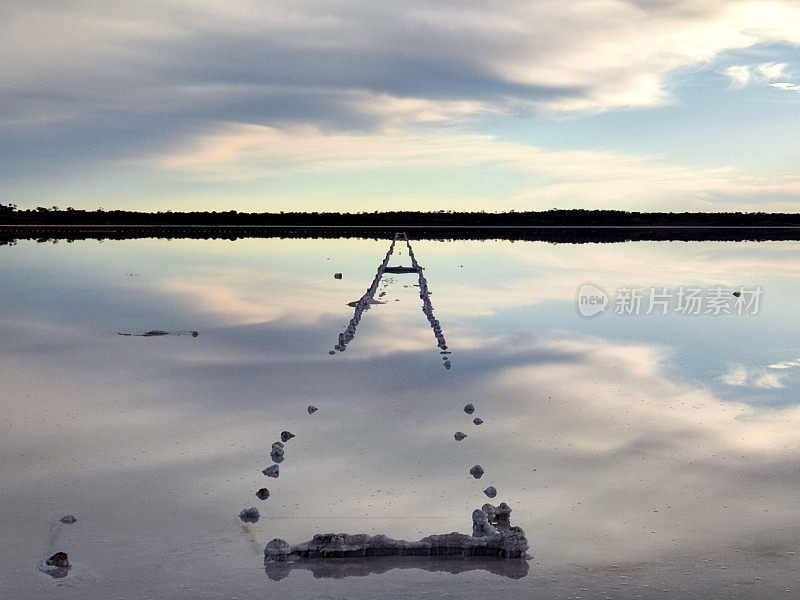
[410, 105]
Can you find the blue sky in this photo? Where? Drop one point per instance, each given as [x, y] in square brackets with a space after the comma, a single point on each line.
[419, 105]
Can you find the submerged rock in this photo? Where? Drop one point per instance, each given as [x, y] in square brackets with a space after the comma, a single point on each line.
[486, 541]
[272, 471]
[477, 421]
[490, 491]
[469, 409]
[262, 494]
[68, 519]
[459, 436]
[286, 436]
[312, 409]
[277, 452]
[476, 471]
[250, 515]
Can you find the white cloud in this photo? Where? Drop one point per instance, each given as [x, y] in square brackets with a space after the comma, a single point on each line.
[741, 376]
[739, 74]
[245, 152]
[771, 71]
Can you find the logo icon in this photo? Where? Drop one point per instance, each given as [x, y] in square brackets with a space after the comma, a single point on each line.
[591, 300]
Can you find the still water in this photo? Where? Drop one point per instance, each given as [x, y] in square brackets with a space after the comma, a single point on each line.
[645, 455]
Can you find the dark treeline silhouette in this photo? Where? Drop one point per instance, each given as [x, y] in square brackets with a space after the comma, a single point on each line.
[10, 215]
[571, 226]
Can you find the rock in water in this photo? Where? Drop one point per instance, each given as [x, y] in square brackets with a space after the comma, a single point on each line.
[68, 519]
[286, 436]
[277, 550]
[337, 275]
[262, 494]
[459, 436]
[487, 540]
[476, 471]
[57, 566]
[272, 471]
[250, 515]
[312, 409]
[59, 559]
[490, 491]
[477, 421]
[277, 452]
[331, 352]
[469, 409]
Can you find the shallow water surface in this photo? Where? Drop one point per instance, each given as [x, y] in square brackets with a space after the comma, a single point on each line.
[645, 455]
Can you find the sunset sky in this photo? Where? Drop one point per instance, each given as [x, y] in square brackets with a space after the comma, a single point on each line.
[412, 104]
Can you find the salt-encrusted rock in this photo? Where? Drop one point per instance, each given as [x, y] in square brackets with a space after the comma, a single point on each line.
[481, 524]
[476, 471]
[469, 409]
[486, 541]
[59, 559]
[312, 409]
[277, 452]
[272, 471]
[502, 513]
[68, 519]
[459, 436]
[277, 550]
[477, 421]
[262, 494]
[286, 436]
[250, 515]
[490, 491]
[57, 566]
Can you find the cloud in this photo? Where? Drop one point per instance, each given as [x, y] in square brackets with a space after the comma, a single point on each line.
[741, 376]
[247, 152]
[739, 74]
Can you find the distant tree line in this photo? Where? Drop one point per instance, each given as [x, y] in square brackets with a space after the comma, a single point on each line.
[11, 215]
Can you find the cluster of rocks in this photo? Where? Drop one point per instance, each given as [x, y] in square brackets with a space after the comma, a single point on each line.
[427, 308]
[277, 454]
[368, 299]
[476, 471]
[363, 304]
[492, 536]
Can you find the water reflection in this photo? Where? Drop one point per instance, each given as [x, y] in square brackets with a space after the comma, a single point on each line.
[368, 299]
[513, 568]
[615, 440]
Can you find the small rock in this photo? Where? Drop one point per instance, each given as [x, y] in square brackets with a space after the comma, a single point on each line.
[476, 471]
[272, 471]
[477, 421]
[737, 294]
[286, 436]
[277, 550]
[312, 409]
[68, 519]
[194, 333]
[331, 352]
[262, 494]
[250, 515]
[459, 436]
[59, 559]
[277, 452]
[337, 275]
[469, 409]
[490, 491]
